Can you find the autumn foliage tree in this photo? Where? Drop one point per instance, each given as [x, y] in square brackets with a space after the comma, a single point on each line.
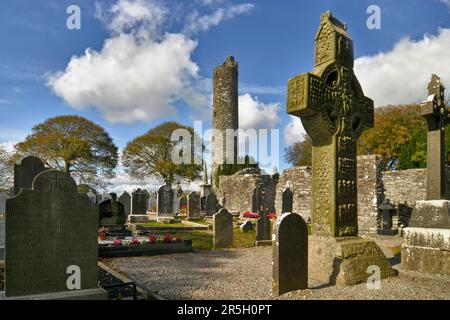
[299, 154]
[74, 145]
[151, 155]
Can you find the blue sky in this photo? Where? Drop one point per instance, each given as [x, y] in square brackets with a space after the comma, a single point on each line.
[272, 41]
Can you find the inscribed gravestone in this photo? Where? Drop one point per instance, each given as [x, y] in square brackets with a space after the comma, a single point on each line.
[257, 199]
[212, 204]
[290, 254]
[112, 214]
[263, 228]
[223, 229]
[26, 171]
[139, 202]
[287, 199]
[193, 205]
[125, 199]
[50, 229]
[164, 206]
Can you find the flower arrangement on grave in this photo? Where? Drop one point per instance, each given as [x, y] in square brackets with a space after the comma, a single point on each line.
[152, 239]
[271, 216]
[250, 215]
[167, 238]
[135, 241]
[117, 243]
[102, 234]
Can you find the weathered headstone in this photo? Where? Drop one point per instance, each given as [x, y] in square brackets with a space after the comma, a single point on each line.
[26, 171]
[258, 199]
[334, 113]
[223, 229]
[193, 206]
[138, 202]
[287, 200]
[51, 241]
[386, 218]
[290, 254]
[125, 199]
[263, 231]
[165, 201]
[92, 196]
[112, 214]
[212, 204]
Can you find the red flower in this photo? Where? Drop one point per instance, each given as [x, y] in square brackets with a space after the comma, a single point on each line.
[117, 243]
[135, 241]
[152, 239]
[250, 215]
[271, 215]
[167, 238]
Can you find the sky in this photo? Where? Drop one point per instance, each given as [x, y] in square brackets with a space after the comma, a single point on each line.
[137, 63]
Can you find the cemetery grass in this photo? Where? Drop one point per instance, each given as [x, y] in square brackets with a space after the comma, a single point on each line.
[203, 240]
[156, 224]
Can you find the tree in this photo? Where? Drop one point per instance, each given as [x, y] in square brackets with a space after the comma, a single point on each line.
[74, 145]
[6, 169]
[300, 153]
[151, 155]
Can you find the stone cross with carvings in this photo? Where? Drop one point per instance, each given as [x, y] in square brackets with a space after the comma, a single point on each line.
[334, 113]
[437, 116]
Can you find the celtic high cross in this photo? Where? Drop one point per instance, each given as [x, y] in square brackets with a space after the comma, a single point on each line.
[334, 113]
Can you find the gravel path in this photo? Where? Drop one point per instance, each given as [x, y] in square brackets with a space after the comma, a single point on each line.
[246, 274]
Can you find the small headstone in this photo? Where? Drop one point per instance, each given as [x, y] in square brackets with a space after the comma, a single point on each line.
[247, 226]
[139, 202]
[193, 206]
[223, 229]
[125, 199]
[263, 232]
[26, 171]
[212, 205]
[386, 216]
[112, 214]
[165, 201]
[290, 254]
[287, 200]
[51, 244]
[92, 196]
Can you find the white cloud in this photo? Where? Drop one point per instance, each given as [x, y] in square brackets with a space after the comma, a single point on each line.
[446, 2]
[402, 74]
[8, 145]
[197, 22]
[294, 131]
[141, 72]
[256, 114]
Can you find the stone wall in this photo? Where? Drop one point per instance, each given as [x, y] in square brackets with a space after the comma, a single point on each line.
[299, 180]
[239, 188]
[405, 186]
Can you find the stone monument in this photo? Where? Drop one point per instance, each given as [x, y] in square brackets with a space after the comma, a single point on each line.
[26, 171]
[426, 242]
[51, 241]
[334, 113]
[223, 229]
[164, 207]
[125, 199]
[138, 207]
[193, 206]
[287, 200]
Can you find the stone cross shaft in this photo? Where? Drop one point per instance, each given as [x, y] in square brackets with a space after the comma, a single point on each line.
[334, 113]
[437, 116]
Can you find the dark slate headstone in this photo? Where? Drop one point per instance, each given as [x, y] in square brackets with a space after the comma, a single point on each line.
[51, 236]
[287, 199]
[193, 205]
[290, 254]
[125, 199]
[263, 231]
[165, 197]
[112, 214]
[223, 229]
[257, 199]
[26, 171]
[139, 202]
[212, 204]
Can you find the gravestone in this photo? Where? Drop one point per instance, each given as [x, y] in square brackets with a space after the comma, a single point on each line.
[112, 215]
[26, 171]
[258, 199]
[165, 198]
[51, 241]
[212, 204]
[193, 206]
[334, 113]
[125, 199]
[290, 254]
[176, 199]
[287, 200]
[92, 196]
[386, 218]
[263, 231]
[139, 202]
[223, 229]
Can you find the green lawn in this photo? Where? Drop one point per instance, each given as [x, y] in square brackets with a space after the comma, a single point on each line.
[156, 224]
